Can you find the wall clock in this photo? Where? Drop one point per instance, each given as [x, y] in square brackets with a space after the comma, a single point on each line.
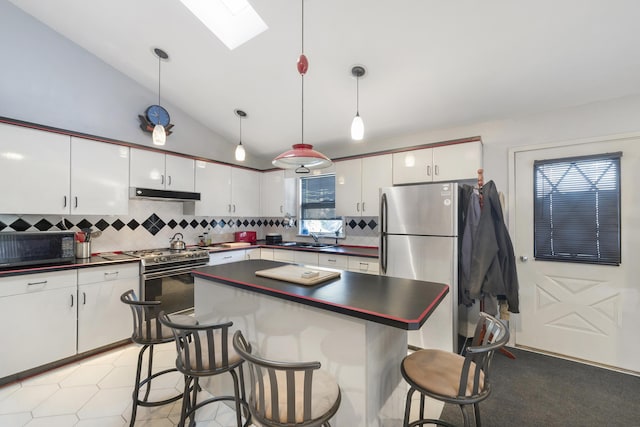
[155, 115]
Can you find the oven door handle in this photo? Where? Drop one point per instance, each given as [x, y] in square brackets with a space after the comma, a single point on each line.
[169, 273]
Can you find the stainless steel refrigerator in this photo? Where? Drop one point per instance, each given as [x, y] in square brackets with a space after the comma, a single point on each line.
[419, 240]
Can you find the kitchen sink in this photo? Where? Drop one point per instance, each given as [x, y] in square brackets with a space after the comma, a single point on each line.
[307, 245]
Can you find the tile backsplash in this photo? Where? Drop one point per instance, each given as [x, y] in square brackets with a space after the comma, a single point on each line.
[151, 224]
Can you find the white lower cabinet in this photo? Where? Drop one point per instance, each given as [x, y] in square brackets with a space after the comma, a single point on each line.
[217, 258]
[332, 260]
[38, 315]
[255, 253]
[304, 257]
[363, 265]
[102, 318]
[284, 255]
[266, 253]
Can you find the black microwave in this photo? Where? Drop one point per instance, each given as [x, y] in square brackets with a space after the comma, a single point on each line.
[26, 248]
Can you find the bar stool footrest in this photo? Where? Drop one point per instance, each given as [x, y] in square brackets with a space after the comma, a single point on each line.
[147, 403]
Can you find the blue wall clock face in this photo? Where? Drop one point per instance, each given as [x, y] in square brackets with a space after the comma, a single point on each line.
[157, 115]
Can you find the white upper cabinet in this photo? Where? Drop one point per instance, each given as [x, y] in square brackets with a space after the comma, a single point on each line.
[213, 182]
[49, 173]
[278, 193]
[225, 190]
[245, 192]
[99, 178]
[358, 183]
[34, 170]
[150, 169]
[444, 163]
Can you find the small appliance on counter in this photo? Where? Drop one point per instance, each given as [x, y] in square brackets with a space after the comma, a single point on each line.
[273, 238]
[26, 248]
[245, 236]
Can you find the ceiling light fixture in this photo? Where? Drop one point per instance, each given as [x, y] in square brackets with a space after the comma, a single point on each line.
[159, 135]
[234, 22]
[240, 153]
[302, 157]
[357, 125]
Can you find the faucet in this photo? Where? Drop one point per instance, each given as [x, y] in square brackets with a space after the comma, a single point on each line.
[314, 236]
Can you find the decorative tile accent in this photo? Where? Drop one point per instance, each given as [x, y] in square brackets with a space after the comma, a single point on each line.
[2, 226]
[133, 224]
[43, 225]
[172, 224]
[183, 224]
[213, 223]
[117, 224]
[153, 224]
[20, 225]
[102, 225]
[84, 224]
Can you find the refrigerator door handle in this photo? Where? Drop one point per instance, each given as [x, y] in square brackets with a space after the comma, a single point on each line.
[383, 233]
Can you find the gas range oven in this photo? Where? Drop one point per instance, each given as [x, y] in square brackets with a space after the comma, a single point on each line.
[166, 276]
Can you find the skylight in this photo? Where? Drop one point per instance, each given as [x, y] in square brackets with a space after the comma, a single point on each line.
[234, 22]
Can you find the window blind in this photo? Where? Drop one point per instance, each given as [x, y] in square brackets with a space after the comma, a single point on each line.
[577, 209]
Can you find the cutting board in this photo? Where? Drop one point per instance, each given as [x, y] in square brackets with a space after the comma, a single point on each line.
[298, 274]
[235, 244]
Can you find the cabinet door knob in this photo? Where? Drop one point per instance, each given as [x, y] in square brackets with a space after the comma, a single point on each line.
[362, 206]
[71, 300]
[428, 170]
[65, 202]
[162, 179]
[436, 170]
[169, 179]
[76, 201]
[358, 207]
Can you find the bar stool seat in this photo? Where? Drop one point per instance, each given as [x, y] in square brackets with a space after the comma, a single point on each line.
[205, 350]
[288, 394]
[148, 331]
[452, 378]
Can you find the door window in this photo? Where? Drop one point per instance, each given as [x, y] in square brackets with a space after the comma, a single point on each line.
[577, 209]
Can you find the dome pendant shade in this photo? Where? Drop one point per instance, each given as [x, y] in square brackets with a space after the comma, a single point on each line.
[159, 136]
[357, 128]
[302, 155]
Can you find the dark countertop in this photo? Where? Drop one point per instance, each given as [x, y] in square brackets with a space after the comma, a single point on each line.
[363, 251]
[401, 303]
[94, 261]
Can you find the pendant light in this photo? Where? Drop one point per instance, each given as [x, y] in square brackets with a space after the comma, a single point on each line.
[302, 157]
[159, 135]
[240, 153]
[357, 125]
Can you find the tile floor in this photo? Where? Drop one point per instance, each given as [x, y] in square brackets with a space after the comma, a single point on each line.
[96, 392]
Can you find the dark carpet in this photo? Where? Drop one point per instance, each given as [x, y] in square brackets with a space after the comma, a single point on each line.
[539, 390]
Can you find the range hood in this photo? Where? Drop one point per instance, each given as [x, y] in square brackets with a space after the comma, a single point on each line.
[168, 195]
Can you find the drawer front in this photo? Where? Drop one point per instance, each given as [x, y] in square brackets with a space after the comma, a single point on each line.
[107, 273]
[37, 282]
[364, 265]
[333, 261]
[226, 257]
[266, 253]
[304, 257]
[283, 255]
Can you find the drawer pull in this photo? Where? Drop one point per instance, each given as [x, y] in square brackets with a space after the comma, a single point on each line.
[43, 282]
[71, 300]
[364, 264]
[332, 260]
[228, 257]
[84, 298]
[111, 275]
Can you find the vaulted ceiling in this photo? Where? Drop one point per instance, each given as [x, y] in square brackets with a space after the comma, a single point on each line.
[430, 63]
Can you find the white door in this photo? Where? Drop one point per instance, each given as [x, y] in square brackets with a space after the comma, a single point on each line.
[376, 173]
[213, 182]
[180, 173]
[349, 187]
[586, 311]
[245, 192]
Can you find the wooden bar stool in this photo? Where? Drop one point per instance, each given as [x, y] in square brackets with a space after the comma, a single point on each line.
[451, 378]
[288, 394]
[205, 350]
[148, 331]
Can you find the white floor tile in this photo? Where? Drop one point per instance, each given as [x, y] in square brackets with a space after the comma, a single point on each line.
[56, 421]
[86, 375]
[106, 403]
[102, 422]
[27, 398]
[8, 390]
[119, 376]
[67, 400]
[15, 420]
[52, 377]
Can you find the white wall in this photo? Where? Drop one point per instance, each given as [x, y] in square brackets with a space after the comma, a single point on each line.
[48, 80]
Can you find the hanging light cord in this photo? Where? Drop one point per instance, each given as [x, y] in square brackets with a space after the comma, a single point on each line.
[158, 79]
[357, 95]
[302, 79]
[240, 117]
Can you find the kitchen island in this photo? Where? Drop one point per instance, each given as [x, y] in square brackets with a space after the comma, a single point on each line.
[355, 325]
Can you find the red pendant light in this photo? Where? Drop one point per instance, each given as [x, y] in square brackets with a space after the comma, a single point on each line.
[302, 157]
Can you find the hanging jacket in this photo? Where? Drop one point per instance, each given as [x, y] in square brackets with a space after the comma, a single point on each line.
[493, 266]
